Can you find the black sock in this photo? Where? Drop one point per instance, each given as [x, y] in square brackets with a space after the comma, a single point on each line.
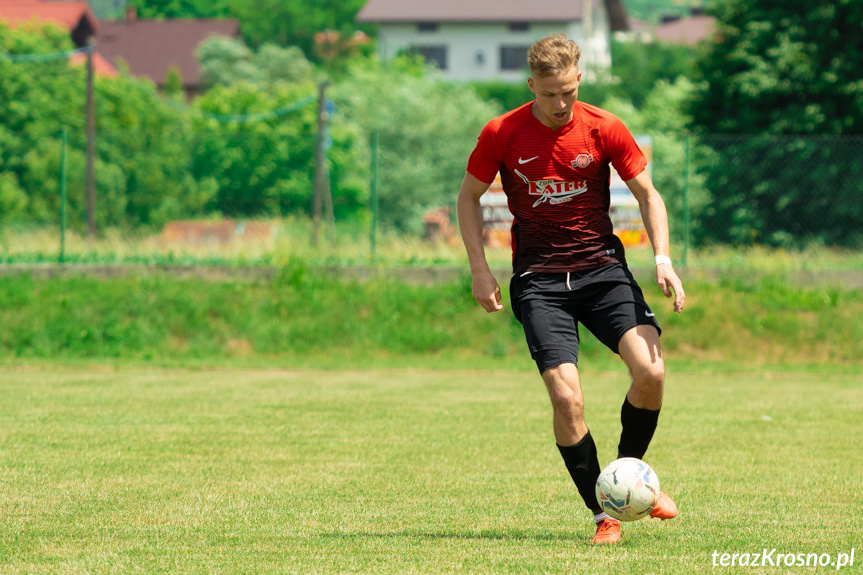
[583, 465]
[638, 427]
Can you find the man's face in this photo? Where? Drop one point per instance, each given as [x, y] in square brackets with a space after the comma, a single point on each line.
[555, 96]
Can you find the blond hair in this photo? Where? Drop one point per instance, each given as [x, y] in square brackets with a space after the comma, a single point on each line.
[553, 55]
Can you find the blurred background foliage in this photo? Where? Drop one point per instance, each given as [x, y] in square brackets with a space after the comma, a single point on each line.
[773, 74]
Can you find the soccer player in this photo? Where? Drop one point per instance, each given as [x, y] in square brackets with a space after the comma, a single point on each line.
[553, 155]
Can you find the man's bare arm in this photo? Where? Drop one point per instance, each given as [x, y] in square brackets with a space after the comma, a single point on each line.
[655, 218]
[486, 290]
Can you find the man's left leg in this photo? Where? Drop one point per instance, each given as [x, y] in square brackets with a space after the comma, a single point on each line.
[640, 350]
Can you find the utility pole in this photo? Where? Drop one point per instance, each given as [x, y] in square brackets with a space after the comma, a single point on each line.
[64, 143]
[320, 163]
[91, 143]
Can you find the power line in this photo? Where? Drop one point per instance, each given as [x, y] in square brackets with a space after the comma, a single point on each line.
[40, 58]
[261, 116]
[246, 118]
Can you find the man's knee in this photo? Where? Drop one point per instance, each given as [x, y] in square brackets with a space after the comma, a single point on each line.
[564, 390]
[650, 376]
[642, 353]
[648, 386]
[567, 402]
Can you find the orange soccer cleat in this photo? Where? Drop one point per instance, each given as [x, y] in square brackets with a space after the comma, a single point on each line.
[665, 508]
[607, 531]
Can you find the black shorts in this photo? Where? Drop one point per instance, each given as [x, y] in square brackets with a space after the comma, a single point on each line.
[607, 301]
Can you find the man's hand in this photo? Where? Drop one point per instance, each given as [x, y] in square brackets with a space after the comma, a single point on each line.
[671, 285]
[486, 291]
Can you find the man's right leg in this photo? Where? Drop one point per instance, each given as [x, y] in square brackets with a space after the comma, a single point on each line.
[542, 303]
[567, 402]
[576, 444]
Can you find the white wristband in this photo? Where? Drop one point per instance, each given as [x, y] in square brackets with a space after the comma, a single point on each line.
[662, 260]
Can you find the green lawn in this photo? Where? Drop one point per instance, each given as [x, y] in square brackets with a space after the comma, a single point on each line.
[400, 471]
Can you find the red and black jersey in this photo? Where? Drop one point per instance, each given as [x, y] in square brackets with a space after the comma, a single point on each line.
[557, 185]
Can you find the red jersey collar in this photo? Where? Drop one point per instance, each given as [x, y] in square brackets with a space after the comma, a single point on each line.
[576, 118]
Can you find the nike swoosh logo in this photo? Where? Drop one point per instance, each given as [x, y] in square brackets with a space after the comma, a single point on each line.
[520, 161]
[648, 314]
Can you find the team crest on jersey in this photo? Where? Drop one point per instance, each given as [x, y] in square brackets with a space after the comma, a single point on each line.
[582, 161]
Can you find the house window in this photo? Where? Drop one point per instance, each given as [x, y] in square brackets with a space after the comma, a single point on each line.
[513, 57]
[436, 55]
[519, 26]
[428, 26]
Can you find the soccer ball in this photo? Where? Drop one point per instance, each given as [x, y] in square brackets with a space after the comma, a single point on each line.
[627, 489]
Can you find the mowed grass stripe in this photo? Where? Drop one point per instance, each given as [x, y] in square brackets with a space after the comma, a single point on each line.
[405, 471]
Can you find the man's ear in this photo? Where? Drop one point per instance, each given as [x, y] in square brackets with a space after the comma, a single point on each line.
[530, 85]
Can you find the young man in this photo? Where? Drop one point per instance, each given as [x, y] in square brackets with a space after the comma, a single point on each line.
[553, 156]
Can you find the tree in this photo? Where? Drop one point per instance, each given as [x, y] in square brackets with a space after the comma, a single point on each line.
[227, 61]
[427, 126]
[638, 66]
[783, 68]
[13, 200]
[148, 138]
[180, 8]
[173, 87]
[141, 164]
[786, 75]
[294, 22]
[267, 166]
[39, 98]
[506, 95]
[663, 117]
[158, 158]
[260, 168]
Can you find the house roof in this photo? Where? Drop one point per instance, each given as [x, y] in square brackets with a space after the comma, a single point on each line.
[152, 47]
[690, 30]
[101, 66]
[73, 16]
[66, 14]
[484, 11]
[640, 26]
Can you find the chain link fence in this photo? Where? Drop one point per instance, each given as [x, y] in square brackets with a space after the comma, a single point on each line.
[781, 191]
[239, 193]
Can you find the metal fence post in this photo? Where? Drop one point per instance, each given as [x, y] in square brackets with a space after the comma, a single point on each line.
[320, 159]
[374, 190]
[686, 139]
[64, 138]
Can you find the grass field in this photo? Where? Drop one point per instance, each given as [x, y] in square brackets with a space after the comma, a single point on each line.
[400, 471]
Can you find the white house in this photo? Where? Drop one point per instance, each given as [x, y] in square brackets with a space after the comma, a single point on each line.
[488, 39]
